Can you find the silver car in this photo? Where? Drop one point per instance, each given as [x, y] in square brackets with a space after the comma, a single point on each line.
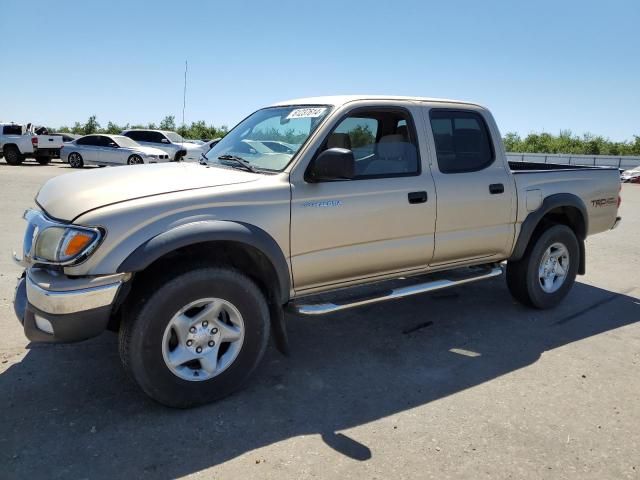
[109, 150]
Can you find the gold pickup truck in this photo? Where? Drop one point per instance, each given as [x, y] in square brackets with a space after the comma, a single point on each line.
[314, 206]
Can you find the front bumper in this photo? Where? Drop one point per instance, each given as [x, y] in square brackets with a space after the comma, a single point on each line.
[55, 308]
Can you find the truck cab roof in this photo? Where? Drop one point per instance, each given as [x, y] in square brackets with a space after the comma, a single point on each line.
[339, 100]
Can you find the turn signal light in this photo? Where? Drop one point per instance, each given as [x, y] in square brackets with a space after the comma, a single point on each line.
[76, 243]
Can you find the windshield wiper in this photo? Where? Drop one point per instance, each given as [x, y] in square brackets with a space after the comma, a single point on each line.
[240, 161]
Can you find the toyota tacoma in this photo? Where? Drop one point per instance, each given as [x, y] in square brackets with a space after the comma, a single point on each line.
[377, 198]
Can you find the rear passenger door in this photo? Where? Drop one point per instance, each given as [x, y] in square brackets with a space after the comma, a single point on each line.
[89, 148]
[476, 199]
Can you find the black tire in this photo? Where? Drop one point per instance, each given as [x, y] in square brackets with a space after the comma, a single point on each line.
[523, 278]
[141, 337]
[12, 155]
[75, 160]
[135, 160]
[43, 160]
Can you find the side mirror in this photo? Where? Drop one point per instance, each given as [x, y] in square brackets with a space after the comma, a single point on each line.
[114, 145]
[164, 140]
[332, 164]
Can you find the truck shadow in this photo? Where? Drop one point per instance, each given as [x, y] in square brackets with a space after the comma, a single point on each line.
[69, 410]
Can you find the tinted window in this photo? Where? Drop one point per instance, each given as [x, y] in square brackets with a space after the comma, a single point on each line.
[104, 141]
[88, 140]
[463, 143]
[383, 145]
[12, 130]
[134, 135]
[156, 137]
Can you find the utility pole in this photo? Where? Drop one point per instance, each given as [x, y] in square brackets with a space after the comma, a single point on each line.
[184, 93]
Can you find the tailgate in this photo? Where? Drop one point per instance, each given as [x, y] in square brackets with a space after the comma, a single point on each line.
[49, 141]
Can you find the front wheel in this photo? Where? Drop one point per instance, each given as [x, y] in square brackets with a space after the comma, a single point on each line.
[547, 271]
[197, 337]
[135, 160]
[12, 155]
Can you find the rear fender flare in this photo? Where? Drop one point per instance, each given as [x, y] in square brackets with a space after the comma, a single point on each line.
[532, 221]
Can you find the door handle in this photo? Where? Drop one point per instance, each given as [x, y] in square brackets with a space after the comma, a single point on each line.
[496, 188]
[417, 197]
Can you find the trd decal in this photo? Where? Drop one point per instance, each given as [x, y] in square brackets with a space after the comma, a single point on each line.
[601, 202]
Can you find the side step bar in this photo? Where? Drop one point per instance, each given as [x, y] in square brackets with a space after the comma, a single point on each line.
[438, 283]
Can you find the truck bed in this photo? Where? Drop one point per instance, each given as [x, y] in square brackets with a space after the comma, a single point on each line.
[530, 167]
[596, 187]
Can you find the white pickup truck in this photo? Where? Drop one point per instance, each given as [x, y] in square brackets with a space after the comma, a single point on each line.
[18, 142]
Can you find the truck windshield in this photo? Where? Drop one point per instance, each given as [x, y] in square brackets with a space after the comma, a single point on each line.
[269, 138]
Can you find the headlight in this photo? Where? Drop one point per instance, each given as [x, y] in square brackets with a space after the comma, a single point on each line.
[61, 245]
[47, 241]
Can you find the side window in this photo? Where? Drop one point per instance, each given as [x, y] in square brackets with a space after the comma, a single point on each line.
[88, 140]
[382, 141]
[155, 137]
[12, 130]
[462, 139]
[134, 135]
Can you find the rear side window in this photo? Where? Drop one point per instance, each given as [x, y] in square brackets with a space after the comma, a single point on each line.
[462, 139]
[88, 140]
[135, 135]
[12, 130]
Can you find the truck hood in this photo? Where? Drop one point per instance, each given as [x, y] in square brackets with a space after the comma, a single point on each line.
[70, 195]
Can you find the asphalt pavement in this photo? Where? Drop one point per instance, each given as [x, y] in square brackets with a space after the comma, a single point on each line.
[464, 383]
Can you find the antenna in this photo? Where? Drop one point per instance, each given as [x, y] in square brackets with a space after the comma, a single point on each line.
[184, 94]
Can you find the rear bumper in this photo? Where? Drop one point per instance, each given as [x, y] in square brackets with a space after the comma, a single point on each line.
[616, 223]
[47, 152]
[58, 309]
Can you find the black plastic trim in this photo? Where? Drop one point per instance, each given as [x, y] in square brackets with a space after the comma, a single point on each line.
[207, 231]
[533, 219]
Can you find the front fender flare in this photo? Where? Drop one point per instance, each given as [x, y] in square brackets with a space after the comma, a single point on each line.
[208, 231]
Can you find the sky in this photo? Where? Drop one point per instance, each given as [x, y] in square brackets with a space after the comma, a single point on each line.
[538, 65]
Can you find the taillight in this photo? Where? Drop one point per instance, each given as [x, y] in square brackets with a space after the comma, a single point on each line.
[34, 141]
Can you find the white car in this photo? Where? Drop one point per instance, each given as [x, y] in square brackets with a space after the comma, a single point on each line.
[631, 176]
[109, 150]
[170, 142]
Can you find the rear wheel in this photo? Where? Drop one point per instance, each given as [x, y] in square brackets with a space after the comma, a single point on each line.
[43, 160]
[547, 271]
[135, 160]
[75, 160]
[197, 337]
[12, 155]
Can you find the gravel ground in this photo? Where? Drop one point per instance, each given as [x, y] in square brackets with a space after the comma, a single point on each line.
[460, 384]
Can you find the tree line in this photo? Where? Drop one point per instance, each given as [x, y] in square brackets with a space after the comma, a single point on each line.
[565, 142]
[196, 130]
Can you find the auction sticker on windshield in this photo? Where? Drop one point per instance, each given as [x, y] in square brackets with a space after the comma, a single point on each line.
[306, 112]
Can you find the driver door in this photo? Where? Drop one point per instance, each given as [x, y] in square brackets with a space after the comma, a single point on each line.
[378, 223]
